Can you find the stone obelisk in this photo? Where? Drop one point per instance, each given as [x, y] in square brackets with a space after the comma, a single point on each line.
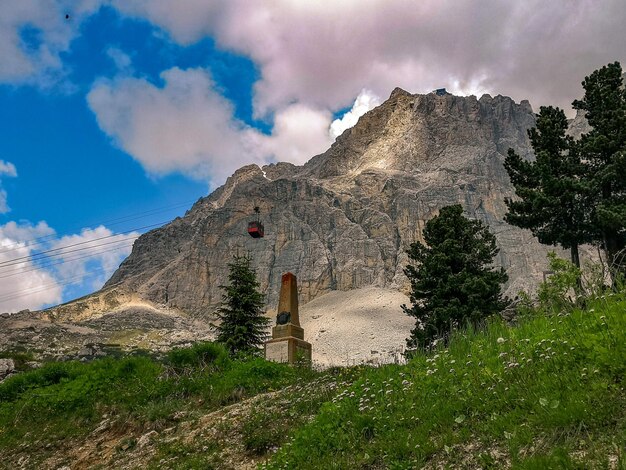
[287, 343]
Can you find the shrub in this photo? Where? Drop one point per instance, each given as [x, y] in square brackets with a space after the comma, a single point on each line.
[557, 292]
[205, 356]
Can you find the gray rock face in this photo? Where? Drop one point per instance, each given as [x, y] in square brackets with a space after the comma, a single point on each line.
[7, 367]
[579, 125]
[97, 326]
[345, 218]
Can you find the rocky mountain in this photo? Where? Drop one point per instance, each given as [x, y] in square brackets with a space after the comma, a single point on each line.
[578, 125]
[109, 322]
[344, 219]
[341, 223]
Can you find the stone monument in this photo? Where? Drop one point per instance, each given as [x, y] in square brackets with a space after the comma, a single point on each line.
[287, 343]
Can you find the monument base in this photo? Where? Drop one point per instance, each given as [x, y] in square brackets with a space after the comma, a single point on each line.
[287, 349]
[285, 331]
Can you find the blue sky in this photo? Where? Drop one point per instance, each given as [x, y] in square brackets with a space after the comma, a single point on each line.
[70, 174]
[123, 115]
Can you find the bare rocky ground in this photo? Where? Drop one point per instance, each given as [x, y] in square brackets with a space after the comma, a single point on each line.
[345, 328]
[116, 444]
[355, 327]
[90, 327]
[111, 445]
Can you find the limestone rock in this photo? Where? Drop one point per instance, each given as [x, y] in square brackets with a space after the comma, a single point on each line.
[344, 219]
[7, 367]
[579, 125]
[341, 222]
[146, 439]
[96, 326]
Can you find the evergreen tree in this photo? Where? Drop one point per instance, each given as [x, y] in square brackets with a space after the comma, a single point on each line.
[552, 196]
[243, 327]
[452, 283]
[604, 154]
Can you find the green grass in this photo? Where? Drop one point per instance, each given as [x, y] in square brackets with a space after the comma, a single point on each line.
[548, 393]
[67, 400]
[180, 456]
[257, 428]
[272, 421]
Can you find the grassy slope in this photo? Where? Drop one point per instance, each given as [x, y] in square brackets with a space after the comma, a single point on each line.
[59, 405]
[548, 393]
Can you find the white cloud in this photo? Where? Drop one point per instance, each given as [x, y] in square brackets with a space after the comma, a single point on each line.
[91, 251]
[4, 208]
[363, 103]
[36, 268]
[321, 54]
[19, 275]
[188, 126]
[184, 126]
[6, 169]
[39, 61]
[121, 60]
[24, 233]
[186, 20]
[299, 133]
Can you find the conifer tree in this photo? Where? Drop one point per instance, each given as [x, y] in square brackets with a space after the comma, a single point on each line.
[243, 327]
[604, 154]
[552, 195]
[452, 282]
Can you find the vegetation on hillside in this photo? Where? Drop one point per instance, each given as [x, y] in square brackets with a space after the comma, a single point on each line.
[64, 401]
[575, 191]
[546, 393]
[452, 280]
[242, 327]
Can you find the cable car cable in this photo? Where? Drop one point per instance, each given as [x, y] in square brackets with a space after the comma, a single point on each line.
[44, 253]
[64, 261]
[106, 223]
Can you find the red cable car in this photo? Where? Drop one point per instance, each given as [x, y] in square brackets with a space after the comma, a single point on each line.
[255, 228]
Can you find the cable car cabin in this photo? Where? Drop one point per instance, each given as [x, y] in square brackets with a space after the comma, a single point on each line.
[255, 229]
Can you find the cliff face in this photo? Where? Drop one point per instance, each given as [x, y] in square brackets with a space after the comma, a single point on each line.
[345, 218]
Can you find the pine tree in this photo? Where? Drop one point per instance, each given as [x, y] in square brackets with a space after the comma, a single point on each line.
[604, 154]
[243, 327]
[452, 283]
[552, 196]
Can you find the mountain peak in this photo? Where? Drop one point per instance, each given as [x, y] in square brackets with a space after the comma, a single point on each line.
[397, 91]
[344, 219]
[417, 133]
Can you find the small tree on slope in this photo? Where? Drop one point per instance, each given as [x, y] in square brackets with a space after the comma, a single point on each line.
[243, 327]
[452, 283]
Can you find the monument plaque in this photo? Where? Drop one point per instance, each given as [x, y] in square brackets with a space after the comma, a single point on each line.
[287, 343]
[277, 352]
